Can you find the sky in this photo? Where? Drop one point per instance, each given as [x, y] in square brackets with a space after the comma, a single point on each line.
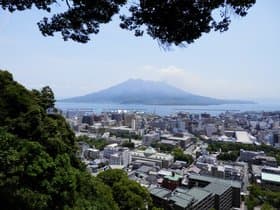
[242, 63]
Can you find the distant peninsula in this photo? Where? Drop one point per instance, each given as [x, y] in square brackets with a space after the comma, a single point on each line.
[137, 91]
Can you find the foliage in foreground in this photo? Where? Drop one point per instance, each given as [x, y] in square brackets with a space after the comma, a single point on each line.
[38, 165]
[169, 22]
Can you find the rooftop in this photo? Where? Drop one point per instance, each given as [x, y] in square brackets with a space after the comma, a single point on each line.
[243, 137]
[164, 172]
[124, 128]
[175, 138]
[164, 141]
[159, 192]
[144, 169]
[185, 197]
[182, 200]
[112, 145]
[150, 151]
[217, 188]
[198, 193]
[270, 177]
[157, 155]
[174, 177]
[210, 179]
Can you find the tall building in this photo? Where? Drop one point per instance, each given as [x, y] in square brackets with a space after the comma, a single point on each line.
[226, 192]
[276, 137]
[122, 157]
[128, 118]
[203, 193]
[117, 155]
[133, 124]
[183, 199]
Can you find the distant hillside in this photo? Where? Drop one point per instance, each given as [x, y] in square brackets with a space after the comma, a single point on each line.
[137, 91]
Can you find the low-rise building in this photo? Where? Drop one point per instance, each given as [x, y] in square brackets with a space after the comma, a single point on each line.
[244, 137]
[91, 153]
[247, 155]
[151, 156]
[270, 178]
[182, 141]
[150, 138]
[172, 181]
[264, 160]
[121, 130]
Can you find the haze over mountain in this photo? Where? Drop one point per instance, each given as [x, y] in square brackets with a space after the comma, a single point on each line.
[137, 91]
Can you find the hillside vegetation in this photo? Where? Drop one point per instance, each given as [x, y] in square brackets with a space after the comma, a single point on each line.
[38, 164]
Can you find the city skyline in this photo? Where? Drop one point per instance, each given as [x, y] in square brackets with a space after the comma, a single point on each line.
[241, 63]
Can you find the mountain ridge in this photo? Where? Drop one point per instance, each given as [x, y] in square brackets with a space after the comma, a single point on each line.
[146, 92]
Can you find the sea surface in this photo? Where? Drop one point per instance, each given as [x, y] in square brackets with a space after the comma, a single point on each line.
[168, 109]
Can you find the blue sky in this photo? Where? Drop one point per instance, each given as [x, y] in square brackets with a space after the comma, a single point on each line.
[242, 63]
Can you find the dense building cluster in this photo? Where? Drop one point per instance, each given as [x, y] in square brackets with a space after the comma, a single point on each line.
[187, 161]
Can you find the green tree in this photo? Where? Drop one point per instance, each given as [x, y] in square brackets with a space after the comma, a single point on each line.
[38, 164]
[179, 155]
[128, 144]
[169, 22]
[127, 193]
[47, 97]
[266, 206]
[163, 147]
[226, 147]
[97, 143]
[229, 156]
[155, 208]
[262, 196]
[110, 177]
[130, 195]
[32, 179]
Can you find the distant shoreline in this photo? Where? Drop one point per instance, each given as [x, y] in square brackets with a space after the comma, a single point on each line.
[157, 104]
[168, 109]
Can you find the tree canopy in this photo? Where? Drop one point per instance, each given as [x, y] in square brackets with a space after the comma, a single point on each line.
[97, 143]
[127, 193]
[39, 168]
[265, 197]
[179, 155]
[168, 21]
[38, 164]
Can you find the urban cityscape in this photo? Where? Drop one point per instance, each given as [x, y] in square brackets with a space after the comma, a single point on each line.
[185, 160]
[139, 105]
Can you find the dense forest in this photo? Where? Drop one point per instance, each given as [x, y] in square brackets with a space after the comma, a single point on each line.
[38, 164]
